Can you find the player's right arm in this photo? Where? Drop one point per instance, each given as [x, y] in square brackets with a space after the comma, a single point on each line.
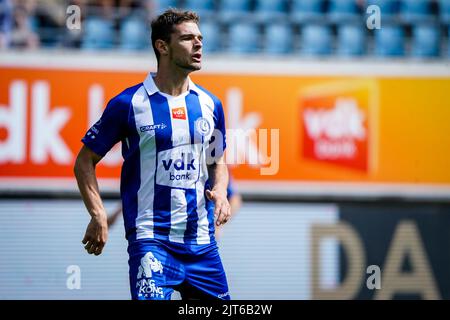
[99, 139]
[97, 230]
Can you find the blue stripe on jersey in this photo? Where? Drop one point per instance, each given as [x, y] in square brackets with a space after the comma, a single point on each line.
[161, 114]
[209, 205]
[130, 181]
[131, 171]
[194, 111]
[190, 234]
[161, 203]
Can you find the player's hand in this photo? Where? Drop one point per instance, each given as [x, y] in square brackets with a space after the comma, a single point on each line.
[96, 235]
[222, 210]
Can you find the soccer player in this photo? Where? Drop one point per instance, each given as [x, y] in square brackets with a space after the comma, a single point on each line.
[174, 180]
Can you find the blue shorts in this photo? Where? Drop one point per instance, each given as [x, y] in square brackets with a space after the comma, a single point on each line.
[157, 269]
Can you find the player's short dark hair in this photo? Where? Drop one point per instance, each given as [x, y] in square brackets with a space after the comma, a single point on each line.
[162, 26]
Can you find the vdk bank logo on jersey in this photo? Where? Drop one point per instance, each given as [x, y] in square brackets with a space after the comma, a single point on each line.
[337, 120]
[179, 113]
[179, 166]
[147, 287]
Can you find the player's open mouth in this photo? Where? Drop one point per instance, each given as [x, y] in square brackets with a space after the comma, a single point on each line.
[197, 57]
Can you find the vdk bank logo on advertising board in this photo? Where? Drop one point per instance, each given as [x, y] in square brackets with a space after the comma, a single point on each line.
[338, 123]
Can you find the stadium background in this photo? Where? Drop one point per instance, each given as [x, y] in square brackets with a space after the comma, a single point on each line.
[362, 178]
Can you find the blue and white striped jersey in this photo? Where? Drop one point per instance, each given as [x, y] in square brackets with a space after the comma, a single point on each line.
[166, 142]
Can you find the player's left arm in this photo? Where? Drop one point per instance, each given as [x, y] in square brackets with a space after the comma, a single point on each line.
[218, 175]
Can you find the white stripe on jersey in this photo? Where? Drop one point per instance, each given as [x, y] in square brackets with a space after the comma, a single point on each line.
[180, 136]
[180, 127]
[147, 146]
[178, 215]
[203, 223]
[207, 106]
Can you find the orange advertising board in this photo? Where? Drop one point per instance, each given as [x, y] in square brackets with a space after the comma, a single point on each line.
[298, 128]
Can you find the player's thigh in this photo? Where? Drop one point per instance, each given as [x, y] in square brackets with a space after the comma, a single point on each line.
[205, 278]
[153, 271]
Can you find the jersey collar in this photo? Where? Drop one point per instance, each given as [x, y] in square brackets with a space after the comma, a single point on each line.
[151, 87]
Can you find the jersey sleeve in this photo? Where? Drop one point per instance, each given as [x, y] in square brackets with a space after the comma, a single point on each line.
[109, 129]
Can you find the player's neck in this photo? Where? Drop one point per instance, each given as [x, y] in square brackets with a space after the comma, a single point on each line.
[172, 82]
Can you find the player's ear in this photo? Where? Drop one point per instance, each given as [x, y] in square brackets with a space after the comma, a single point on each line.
[162, 47]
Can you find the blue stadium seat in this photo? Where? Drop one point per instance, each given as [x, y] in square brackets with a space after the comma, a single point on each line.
[98, 34]
[202, 7]
[444, 10]
[448, 42]
[388, 8]
[389, 41]
[303, 11]
[351, 40]
[343, 10]
[162, 5]
[211, 36]
[230, 10]
[426, 41]
[278, 38]
[316, 40]
[243, 38]
[266, 10]
[134, 34]
[413, 11]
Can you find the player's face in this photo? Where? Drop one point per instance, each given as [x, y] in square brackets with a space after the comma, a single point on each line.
[186, 46]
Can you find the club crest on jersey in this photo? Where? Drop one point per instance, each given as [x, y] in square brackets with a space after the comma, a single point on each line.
[179, 113]
[202, 126]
